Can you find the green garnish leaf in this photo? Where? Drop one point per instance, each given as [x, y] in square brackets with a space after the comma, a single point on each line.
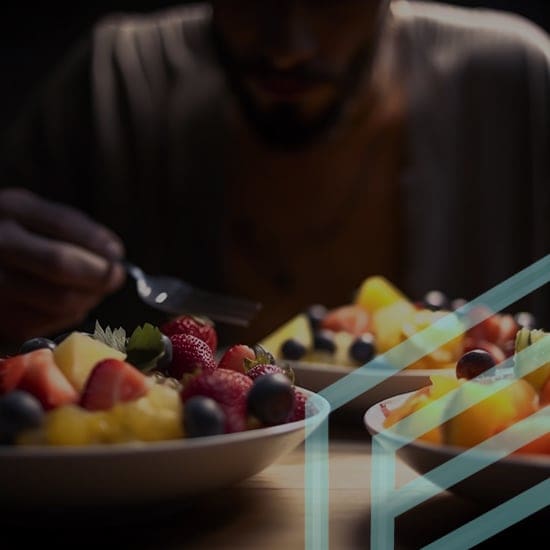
[113, 338]
[145, 347]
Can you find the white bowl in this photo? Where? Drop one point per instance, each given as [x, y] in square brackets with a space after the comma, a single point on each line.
[501, 480]
[146, 472]
[318, 376]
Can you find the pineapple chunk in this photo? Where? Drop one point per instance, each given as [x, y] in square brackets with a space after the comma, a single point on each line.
[388, 324]
[297, 328]
[376, 293]
[72, 425]
[78, 354]
[156, 416]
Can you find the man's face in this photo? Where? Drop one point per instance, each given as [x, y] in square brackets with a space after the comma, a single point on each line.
[295, 63]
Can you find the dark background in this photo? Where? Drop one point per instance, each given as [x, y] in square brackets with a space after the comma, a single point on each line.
[34, 38]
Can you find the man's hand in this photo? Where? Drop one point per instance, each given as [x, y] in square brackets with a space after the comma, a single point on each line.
[56, 264]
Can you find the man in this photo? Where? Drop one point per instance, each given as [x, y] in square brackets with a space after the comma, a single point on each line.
[282, 151]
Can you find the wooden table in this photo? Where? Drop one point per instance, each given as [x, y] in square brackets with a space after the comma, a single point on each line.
[267, 512]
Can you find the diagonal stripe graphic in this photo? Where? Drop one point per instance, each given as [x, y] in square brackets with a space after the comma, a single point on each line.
[383, 483]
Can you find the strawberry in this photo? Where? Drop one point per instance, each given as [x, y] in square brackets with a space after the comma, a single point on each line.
[12, 370]
[299, 411]
[228, 388]
[112, 381]
[189, 354]
[187, 324]
[234, 357]
[351, 318]
[45, 380]
[261, 370]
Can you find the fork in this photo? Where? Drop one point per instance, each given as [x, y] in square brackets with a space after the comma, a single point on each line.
[177, 297]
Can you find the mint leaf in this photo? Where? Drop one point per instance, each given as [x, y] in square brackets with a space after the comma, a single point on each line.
[145, 347]
[113, 338]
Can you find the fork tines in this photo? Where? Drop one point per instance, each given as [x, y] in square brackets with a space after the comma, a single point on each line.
[222, 308]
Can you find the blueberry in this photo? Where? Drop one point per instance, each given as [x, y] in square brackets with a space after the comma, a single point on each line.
[37, 343]
[323, 340]
[474, 363]
[362, 349]
[19, 410]
[202, 416]
[167, 356]
[435, 300]
[293, 349]
[316, 313]
[271, 399]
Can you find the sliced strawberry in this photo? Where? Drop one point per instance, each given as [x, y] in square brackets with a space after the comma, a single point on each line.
[45, 380]
[234, 358]
[113, 381]
[350, 318]
[12, 370]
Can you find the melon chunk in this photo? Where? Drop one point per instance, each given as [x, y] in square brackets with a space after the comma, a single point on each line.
[79, 353]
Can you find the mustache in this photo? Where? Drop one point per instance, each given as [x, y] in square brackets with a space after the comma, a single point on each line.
[311, 73]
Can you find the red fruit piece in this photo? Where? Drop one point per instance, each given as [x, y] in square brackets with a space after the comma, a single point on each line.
[498, 328]
[190, 354]
[186, 324]
[261, 370]
[299, 412]
[45, 380]
[234, 358]
[508, 329]
[113, 381]
[349, 318]
[228, 388]
[12, 370]
[545, 394]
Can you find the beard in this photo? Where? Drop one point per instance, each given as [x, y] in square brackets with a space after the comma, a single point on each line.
[283, 125]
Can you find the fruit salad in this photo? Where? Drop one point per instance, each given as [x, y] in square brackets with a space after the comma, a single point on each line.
[158, 383]
[381, 317]
[488, 404]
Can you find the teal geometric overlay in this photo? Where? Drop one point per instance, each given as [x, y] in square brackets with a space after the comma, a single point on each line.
[387, 502]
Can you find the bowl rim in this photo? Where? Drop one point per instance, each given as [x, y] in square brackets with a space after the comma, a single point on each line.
[448, 451]
[322, 410]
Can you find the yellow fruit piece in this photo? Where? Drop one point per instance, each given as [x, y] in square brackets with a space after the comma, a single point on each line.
[343, 341]
[500, 405]
[537, 377]
[377, 292]
[442, 327]
[429, 395]
[340, 357]
[72, 425]
[78, 354]
[156, 416]
[297, 328]
[441, 385]
[388, 324]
